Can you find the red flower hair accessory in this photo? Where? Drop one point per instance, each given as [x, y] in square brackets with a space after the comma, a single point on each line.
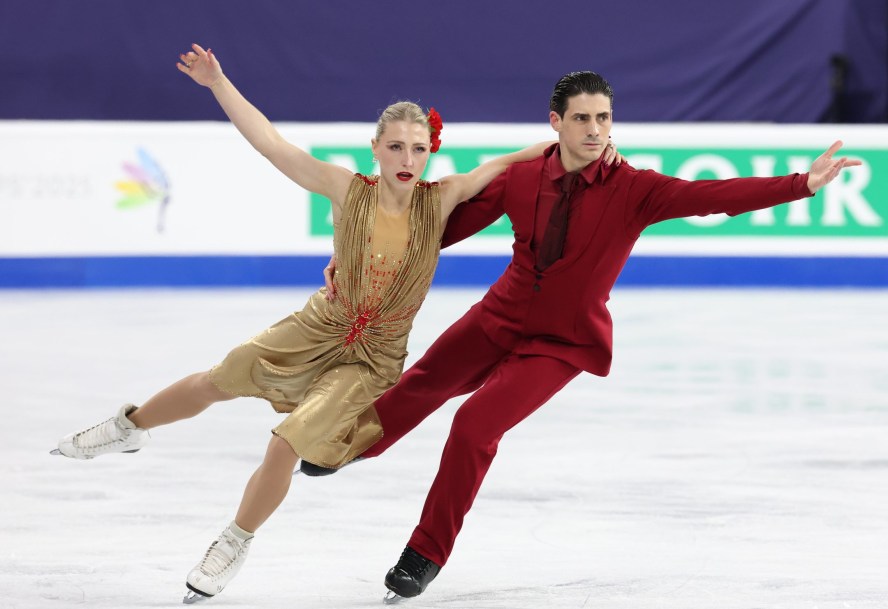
[435, 127]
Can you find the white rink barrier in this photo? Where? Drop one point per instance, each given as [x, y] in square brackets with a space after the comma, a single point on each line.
[110, 203]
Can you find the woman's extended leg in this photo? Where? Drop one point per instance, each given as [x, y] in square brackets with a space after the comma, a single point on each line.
[268, 485]
[181, 400]
[264, 493]
[127, 431]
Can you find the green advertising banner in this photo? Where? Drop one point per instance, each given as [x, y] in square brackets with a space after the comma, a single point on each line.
[854, 205]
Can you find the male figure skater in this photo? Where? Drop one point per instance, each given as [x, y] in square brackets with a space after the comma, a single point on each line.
[544, 320]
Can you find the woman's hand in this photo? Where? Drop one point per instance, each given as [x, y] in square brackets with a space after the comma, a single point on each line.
[611, 155]
[201, 66]
[329, 271]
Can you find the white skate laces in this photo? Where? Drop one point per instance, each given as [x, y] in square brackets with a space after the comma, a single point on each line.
[220, 564]
[116, 435]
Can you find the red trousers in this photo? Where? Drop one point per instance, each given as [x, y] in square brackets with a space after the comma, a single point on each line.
[508, 388]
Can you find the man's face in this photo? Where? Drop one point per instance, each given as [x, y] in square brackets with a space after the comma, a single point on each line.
[584, 130]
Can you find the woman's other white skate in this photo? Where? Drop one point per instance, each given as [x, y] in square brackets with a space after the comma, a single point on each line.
[220, 564]
[116, 435]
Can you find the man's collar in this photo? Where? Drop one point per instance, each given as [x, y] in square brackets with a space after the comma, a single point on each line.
[595, 169]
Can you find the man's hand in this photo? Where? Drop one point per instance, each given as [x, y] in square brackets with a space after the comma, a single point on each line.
[825, 169]
[329, 270]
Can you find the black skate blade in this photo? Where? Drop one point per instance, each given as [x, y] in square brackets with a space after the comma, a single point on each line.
[392, 598]
[56, 451]
[311, 470]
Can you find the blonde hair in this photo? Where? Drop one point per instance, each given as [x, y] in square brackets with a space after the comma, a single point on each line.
[401, 111]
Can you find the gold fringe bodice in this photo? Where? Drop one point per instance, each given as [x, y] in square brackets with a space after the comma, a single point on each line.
[327, 363]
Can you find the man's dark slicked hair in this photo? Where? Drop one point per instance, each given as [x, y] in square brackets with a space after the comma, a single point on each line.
[576, 83]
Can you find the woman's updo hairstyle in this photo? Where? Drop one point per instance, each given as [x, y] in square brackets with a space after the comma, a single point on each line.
[401, 111]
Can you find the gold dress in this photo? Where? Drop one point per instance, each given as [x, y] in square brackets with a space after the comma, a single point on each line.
[328, 363]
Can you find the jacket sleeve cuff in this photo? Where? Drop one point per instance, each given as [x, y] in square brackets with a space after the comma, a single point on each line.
[800, 186]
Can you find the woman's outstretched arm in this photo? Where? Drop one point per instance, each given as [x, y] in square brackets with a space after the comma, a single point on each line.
[463, 186]
[327, 179]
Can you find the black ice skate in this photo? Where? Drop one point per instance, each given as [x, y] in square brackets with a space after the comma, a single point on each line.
[310, 469]
[410, 577]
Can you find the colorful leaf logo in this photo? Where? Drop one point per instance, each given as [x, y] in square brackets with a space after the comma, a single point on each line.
[147, 184]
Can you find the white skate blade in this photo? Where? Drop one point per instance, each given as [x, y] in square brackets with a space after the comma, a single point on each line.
[391, 598]
[192, 597]
[56, 451]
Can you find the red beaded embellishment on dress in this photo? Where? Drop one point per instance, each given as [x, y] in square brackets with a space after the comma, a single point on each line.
[357, 329]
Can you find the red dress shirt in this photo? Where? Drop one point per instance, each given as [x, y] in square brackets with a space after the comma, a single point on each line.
[562, 312]
[550, 190]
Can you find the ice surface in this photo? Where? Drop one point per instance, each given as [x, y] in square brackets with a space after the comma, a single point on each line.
[737, 457]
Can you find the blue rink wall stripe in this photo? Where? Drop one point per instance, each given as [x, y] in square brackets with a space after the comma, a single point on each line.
[220, 271]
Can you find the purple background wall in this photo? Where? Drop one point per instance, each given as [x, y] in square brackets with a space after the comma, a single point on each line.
[681, 60]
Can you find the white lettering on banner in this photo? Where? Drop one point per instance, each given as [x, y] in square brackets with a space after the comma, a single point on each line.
[763, 166]
[723, 170]
[344, 160]
[439, 167]
[646, 161]
[44, 186]
[846, 192]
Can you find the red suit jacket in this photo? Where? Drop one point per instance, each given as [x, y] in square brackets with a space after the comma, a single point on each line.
[562, 312]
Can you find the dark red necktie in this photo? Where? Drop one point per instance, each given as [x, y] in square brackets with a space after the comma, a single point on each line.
[552, 246]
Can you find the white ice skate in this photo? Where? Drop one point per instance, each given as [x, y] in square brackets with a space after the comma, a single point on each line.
[220, 564]
[116, 435]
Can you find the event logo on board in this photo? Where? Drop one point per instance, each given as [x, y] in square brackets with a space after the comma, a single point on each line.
[147, 184]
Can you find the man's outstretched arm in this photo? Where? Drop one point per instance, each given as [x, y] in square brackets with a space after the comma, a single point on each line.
[658, 197]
